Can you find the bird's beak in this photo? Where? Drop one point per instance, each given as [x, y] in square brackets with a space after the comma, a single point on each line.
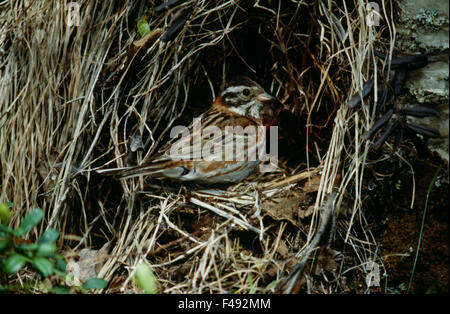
[264, 97]
[269, 108]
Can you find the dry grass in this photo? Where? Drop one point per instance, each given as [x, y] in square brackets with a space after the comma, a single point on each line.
[71, 97]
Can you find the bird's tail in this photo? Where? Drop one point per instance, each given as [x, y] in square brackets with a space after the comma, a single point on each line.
[149, 170]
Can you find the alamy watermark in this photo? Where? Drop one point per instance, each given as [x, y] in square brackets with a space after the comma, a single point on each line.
[373, 275]
[373, 14]
[73, 14]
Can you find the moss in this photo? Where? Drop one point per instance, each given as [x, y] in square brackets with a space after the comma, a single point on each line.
[418, 94]
[431, 18]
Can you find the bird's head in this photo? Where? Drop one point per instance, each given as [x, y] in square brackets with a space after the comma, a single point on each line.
[244, 97]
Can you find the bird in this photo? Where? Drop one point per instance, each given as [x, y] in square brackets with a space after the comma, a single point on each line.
[240, 110]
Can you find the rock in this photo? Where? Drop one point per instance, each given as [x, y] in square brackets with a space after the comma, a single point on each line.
[423, 27]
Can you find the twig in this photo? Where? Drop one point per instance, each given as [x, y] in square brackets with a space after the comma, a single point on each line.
[222, 213]
[296, 271]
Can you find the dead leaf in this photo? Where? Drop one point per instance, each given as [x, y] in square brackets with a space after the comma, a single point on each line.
[88, 265]
[282, 249]
[312, 185]
[291, 204]
[143, 43]
[326, 261]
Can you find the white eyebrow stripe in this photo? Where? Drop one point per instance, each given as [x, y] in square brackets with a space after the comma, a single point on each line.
[233, 89]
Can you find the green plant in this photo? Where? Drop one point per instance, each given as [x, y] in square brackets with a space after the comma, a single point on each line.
[90, 284]
[16, 251]
[399, 289]
[425, 207]
[143, 27]
[145, 278]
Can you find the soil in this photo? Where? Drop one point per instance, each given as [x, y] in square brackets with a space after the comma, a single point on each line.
[398, 226]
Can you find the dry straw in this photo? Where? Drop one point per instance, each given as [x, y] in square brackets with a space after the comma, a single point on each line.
[71, 98]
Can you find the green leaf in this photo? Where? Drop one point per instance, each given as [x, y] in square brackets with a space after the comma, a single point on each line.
[44, 265]
[95, 283]
[3, 244]
[61, 290]
[49, 236]
[30, 221]
[14, 263]
[28, 246]
[46, 249]
[57, 256]
[143, 27]
[145, 278]
[60, 273]
[61, 265]
[251, 284]
[7, 230]
[5, 214]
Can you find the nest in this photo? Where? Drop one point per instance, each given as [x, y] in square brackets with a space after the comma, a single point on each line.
[73, 101]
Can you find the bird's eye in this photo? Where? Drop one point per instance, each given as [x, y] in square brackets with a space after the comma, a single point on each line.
[246, 92]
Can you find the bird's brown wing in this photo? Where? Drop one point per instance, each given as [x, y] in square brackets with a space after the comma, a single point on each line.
[201, 150]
